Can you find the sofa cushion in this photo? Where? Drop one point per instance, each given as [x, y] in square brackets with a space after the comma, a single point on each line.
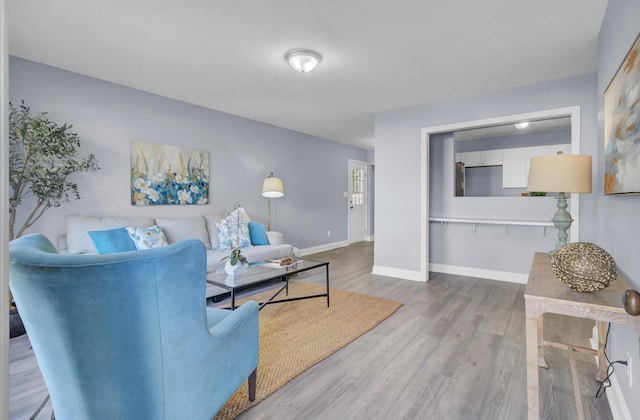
[147, 238]
[275, 238]
[112, 240]
[212, 230]
[79, 241]
[258, 234]
[182, 228]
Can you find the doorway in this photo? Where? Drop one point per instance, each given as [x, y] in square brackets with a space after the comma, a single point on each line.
[573, 112]
[358, 198]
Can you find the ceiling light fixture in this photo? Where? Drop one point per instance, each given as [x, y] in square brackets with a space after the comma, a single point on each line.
[302, 60]
[522, 125]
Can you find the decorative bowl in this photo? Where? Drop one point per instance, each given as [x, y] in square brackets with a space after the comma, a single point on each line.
[584, 267]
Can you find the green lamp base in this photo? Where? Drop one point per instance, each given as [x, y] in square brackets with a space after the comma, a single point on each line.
[562, 221]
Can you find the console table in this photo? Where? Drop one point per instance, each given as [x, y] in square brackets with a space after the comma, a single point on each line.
[545, 293]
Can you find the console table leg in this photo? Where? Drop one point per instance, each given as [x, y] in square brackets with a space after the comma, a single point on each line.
[540, 328]
[602, 362]
[533, 399]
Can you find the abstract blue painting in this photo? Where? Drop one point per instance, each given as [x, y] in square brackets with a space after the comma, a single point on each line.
[162, 174]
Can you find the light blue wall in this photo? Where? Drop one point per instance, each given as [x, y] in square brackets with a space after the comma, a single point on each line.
[398, 182]
[616, 227]
[243, 152]
[371, 160]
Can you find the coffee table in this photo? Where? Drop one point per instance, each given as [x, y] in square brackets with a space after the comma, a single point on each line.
[263, 273]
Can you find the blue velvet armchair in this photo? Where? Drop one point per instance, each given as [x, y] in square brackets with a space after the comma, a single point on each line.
[128, 335]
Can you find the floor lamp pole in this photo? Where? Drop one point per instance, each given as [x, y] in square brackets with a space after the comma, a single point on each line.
[268, 214]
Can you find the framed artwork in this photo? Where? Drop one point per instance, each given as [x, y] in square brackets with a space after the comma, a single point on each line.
[168, 175]
[622, 126]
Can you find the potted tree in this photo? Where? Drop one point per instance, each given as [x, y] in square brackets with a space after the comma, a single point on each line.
[42, 157]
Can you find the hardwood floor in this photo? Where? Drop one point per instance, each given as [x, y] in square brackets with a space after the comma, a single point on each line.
[454, 350]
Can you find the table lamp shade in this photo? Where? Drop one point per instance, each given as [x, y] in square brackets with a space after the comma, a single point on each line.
[272, 187]
[560, 173]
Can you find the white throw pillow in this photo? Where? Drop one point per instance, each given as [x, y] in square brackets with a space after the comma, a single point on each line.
[181, 228]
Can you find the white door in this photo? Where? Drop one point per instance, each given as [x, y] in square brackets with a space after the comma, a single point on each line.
[357, 201]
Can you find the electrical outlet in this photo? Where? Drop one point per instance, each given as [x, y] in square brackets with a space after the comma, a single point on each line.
[328, 234]
[630, 369]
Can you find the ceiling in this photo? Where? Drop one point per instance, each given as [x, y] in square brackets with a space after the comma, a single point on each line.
[377, 55]
[501, 130]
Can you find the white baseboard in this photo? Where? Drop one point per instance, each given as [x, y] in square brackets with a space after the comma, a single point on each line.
[617, 403]
[369, 238]
[396, 272]
[480, 273]
[324, 247]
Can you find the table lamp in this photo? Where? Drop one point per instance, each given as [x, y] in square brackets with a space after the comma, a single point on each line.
[271, 188]
[561, 174]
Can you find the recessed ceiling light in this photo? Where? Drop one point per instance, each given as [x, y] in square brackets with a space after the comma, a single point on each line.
[522, 125]
[302, 60]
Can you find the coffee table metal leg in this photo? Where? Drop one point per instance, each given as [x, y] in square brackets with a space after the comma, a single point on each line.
[233, 300]
[327, 276]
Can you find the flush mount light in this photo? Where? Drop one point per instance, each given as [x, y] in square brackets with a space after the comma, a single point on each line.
[522, 125]
[302, 60]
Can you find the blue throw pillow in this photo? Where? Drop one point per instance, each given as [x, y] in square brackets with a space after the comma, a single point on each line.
[258, 234]
[112, 240]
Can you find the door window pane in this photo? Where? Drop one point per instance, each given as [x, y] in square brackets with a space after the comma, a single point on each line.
[357, 186]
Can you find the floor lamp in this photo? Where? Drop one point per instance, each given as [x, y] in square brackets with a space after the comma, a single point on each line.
[271, 188]
[562, 174]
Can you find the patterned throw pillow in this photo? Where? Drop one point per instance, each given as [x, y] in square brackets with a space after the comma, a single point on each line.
[151, 237]
[233, 230]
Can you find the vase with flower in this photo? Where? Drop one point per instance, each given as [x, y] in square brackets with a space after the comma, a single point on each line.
[235, 225]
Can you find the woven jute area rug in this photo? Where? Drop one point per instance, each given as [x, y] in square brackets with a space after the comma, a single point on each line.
[296, 335]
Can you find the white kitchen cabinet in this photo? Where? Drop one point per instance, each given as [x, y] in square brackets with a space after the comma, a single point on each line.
[471, 158]
[516, 162]
[514, 170]
[482, 158]
[531, 153]
[492, 157]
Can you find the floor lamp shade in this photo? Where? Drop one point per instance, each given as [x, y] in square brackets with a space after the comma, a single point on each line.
[272, 187]
[562, 174]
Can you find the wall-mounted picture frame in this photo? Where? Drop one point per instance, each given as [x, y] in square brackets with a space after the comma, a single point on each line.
[622, 126]
[162, 175]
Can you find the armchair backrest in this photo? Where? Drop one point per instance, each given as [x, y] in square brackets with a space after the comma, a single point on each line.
[115, 333]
